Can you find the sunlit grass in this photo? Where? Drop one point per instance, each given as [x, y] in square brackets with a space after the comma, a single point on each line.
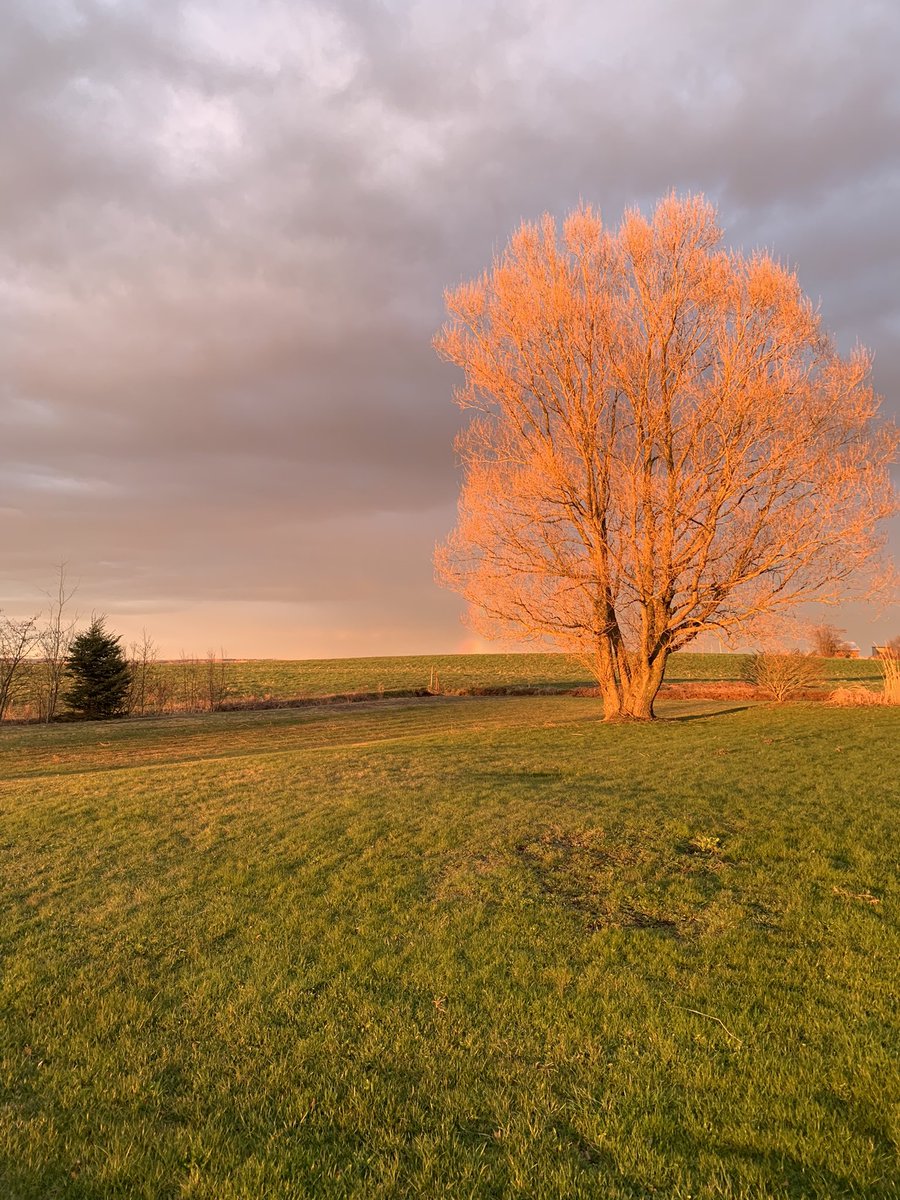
[461, 948]
[185, 685]
[465, 671]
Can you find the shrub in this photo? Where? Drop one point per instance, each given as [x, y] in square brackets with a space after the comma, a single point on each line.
[781, 676]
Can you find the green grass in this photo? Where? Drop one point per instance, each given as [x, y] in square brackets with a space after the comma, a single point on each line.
[186, 686]
[316, 677]
[451, 948]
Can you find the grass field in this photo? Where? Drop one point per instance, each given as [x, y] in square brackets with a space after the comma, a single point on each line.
[452, 948]
[186, 685]
[465, 671]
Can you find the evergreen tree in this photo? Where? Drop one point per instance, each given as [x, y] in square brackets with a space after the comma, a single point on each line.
[99, 672]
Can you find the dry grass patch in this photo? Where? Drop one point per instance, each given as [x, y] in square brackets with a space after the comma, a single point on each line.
[889, 662]
[856, 697]
[626, 882]
[864, 897]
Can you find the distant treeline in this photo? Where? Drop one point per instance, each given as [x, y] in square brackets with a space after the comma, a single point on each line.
[188, 684]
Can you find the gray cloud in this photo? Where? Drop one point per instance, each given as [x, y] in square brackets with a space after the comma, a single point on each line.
[225, 230]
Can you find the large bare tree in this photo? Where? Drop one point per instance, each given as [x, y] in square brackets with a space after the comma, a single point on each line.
[664, 442]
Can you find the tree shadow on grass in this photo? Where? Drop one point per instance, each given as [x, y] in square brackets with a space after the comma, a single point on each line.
[599, 1161]
[20, 1182]
[706, 716]
[790, 1176]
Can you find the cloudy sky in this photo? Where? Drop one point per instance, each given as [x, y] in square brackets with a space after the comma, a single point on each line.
[226, 226]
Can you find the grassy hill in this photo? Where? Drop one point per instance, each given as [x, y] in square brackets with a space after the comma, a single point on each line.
[465, 671]
[453, 947]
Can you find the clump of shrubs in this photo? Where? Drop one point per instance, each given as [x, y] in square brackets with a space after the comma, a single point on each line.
[782, 676]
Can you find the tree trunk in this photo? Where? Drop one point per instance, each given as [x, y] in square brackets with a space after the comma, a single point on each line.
[611, 690]
[638, 701]
[631, 698]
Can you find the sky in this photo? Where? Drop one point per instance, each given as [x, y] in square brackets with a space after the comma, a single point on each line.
[225, 232]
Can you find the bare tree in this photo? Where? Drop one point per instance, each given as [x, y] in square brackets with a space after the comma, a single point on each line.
[142, 658]
[216, 679]
[17, 638]
[55, 639]
[664, 443]
[828, 641]
[162, 693]
[188, 683]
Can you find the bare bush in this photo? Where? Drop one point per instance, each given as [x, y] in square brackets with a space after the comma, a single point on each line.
[782, 676]
[17, 638]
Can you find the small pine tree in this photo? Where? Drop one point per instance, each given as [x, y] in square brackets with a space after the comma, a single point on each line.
[99, 672]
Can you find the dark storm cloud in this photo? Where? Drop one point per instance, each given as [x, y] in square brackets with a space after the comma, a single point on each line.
[225, 230]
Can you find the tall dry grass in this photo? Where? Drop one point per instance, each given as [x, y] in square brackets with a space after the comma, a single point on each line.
[855, 697]
[889, 661]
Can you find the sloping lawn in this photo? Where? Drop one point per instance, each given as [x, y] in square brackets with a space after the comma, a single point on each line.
[452, 948]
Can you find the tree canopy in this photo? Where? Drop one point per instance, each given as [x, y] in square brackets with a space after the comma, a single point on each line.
[664, 442]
